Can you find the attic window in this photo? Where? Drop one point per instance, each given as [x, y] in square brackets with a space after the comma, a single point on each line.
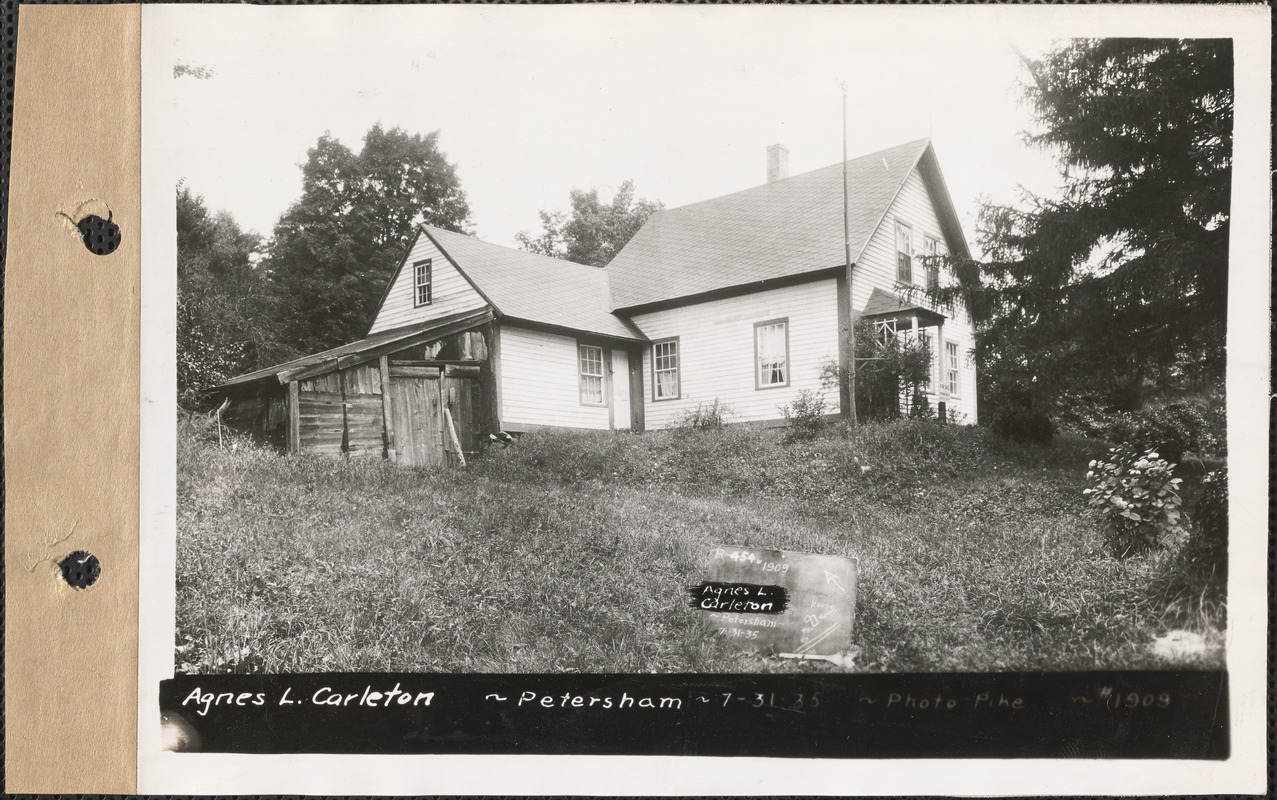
[931, 251]
[421, 283]
[904, 253]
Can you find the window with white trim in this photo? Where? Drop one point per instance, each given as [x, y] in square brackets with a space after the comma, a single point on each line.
[951, 362]
[665, 370]
[421, 283]
[931, 249]
[590, 359]
[771, 353]
[904, 253]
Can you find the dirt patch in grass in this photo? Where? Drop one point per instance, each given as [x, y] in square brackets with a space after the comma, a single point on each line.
[573, 551]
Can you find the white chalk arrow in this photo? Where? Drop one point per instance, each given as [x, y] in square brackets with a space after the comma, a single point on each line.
[822, 637]
[829, 578]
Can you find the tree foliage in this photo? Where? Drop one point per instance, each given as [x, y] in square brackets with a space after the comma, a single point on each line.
[335, 248]
[225, 324]
[594, 231]
[1120, 283]
[890, 368]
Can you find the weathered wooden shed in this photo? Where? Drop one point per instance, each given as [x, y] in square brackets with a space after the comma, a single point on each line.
[423, 394]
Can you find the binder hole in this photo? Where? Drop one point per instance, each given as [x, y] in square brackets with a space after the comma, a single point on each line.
[80, 569]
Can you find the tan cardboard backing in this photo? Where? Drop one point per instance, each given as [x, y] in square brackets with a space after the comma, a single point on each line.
[71, 352]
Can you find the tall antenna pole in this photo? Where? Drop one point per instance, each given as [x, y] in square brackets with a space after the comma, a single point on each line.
[846, 241]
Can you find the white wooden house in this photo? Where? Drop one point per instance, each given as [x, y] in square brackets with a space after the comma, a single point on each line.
[740, 299]
[744, 297]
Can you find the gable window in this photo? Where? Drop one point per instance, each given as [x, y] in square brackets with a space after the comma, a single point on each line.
[665, 370]
[904, 253]
[590, 361]
[421, 283]
[771, 353]
[931, 249]
[951, 362]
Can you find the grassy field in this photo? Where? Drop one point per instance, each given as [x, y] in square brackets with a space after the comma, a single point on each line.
[572, 552]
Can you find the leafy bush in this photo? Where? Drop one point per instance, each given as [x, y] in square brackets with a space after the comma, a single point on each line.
[1136, 498]
[886, 368]
[704, 417]
[1082, 412]
[1024, 425]
[805, 415]
[1208, 543]
[1171, 430]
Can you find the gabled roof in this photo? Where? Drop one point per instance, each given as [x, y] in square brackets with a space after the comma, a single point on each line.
[526, 287]
[363, 350]
[774, 231]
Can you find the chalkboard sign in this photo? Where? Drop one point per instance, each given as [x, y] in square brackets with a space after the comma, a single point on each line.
[778, 601]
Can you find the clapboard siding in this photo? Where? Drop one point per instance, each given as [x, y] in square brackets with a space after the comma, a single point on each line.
[451, 292]
[716, 344]
[540, 383]
[877, 268]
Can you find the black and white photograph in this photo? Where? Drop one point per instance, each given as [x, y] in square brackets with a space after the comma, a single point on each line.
[689, 357]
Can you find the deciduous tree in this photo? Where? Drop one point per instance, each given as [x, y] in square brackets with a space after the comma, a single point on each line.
[337, 246]
[224, 323]
[594, 231]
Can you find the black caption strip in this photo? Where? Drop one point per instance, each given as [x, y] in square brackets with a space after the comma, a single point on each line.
[1172, 715]
[740, 598]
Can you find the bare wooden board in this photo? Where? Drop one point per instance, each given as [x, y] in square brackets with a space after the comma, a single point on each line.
[779, 601]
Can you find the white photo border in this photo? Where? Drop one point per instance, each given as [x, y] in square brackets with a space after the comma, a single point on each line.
[1248, 383]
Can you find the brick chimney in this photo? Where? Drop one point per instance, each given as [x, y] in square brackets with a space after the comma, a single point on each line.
[777, 163]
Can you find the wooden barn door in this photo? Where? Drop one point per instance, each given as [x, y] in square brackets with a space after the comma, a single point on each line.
[416, 405]
[460, 397]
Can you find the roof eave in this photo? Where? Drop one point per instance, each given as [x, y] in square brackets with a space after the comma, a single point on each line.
[736, 290]
[929, 165]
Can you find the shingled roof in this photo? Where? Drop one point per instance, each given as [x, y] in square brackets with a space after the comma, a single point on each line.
[528, 287]
[774, 231]
[366, 349]
[884, 304]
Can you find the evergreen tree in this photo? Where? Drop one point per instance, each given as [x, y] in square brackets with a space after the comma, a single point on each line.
[1121, 282]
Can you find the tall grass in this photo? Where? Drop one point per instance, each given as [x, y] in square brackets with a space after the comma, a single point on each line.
[573, 551]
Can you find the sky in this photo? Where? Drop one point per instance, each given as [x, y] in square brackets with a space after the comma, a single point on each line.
[533, 102]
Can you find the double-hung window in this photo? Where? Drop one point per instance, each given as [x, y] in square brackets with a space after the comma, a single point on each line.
[951, 363]
[904, 253]
[665, 370]
[771, 353]
[421, 283]
[931, 249]
[590, 359]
